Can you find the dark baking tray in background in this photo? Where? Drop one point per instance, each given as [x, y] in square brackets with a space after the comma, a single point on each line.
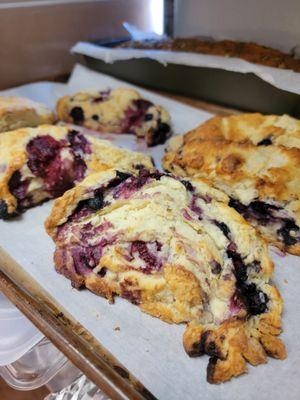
[232, 89]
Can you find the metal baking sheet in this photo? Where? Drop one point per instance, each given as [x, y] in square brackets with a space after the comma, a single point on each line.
[147, 347]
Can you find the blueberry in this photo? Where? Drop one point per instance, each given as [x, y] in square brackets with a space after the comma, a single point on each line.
[95, 117]
[239, 207]
[102, 272]
[123, 175]
[285, 232]
[148, 117]
[187, 185]
[265, 142]
[77, 114]
[3, 210]
[254, 299]
[96, 202]
[224, 228]
[160, 135]
[240, 269]
[163, 127]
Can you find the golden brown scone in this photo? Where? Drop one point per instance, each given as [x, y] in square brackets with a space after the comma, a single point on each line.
[40, 163]
[121, 110]
[18, 112]
[178, 251]
[262, 181]
[261, 130]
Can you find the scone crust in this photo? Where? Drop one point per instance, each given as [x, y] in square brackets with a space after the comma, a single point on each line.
[225, 151]
[239, 339]
[19, 112]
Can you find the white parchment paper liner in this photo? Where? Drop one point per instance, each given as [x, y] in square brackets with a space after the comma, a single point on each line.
[280, 78]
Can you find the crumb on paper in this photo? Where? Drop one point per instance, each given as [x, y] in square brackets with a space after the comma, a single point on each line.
[117, 328]
[285, 281]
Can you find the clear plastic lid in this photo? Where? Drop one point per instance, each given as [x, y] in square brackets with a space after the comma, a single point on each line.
[17, 334]
[35, 368]
[28, 360]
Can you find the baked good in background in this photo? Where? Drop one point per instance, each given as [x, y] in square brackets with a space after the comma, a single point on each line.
[255, 160]
[121, 110]
[178, 251]
[249, 51]
[19, 112]
[41, 163]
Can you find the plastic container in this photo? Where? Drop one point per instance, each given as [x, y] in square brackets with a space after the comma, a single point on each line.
[28, 360]
[17, 334]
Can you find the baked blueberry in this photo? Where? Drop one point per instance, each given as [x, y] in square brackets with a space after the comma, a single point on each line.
[77, 115]
[3, 210]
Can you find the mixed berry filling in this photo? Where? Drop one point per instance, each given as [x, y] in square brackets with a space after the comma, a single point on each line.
[248, 294]
[47, 161]
[134, 183]
[137, 114]
[269, 214]
[148, 253]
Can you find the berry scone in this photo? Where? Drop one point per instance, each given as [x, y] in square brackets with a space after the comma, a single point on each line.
[262, 182]
[121, 110]
[178, 251]
[42, 163]
[19, 112]
[261, 130]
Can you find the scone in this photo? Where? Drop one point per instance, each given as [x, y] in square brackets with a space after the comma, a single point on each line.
[256, 128]
[18, 112]
[42, 163]
[120, 110]
[176, 249]
[262, 181]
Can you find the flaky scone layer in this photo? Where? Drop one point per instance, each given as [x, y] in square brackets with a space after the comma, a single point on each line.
[176, 249]
[121, 110]
[41, 163]
[262, 181]
[19, 112]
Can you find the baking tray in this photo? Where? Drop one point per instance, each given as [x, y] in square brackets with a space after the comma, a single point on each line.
[144, 357]
[244, 91]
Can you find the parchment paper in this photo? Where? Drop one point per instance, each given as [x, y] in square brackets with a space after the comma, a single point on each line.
[280, 78]
[151, 349]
